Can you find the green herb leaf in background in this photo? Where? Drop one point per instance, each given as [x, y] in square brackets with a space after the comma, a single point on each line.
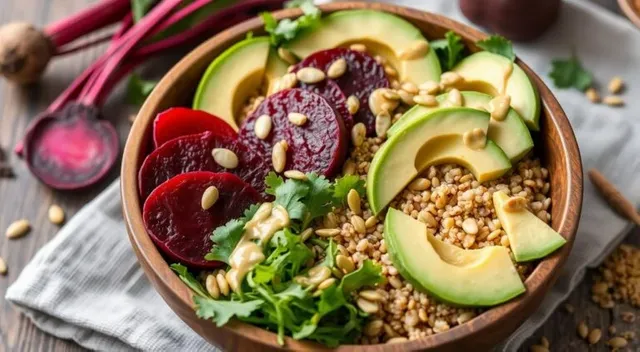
[285, 30]
[189, 279]
[449, 50]
[568, 73]
[498, 45]
[138, 89]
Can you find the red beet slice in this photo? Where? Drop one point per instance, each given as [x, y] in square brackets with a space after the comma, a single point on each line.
[178, 122]
[319, 145]
[178, 225]
[193, 153]
[363, 76]
[334, 95]
[71, 148]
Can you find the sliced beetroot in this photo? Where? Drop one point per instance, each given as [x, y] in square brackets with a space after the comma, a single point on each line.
[363, 76]
[193, 153]
[319, 145]
[178, 122]
[334, 95]
[176, 222]
[71, 148]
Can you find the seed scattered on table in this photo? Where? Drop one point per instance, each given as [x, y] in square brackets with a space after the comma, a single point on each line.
[56, 214]
[613, 100]
[583, 330]
[538, 348]
[618, 342]
[615, 85]
[594, 336]
[18, 229]
[592, 95]
[3, 267]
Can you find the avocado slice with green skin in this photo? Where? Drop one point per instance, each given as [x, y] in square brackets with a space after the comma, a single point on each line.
[384, 34]
[496, 75]
[530, 238]
[510, 134]
[478, 278]
[434, 138]
[235, 75]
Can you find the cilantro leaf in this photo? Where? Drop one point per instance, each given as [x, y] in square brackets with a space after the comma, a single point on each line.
[221, 311]
[289, 195]
[449, 50]
[344, 184]
[138, 89]
[568, 73]
[272, 181]
[498, 45]
[319, 200]
[285, 30]
[226, 238]
[189, 279]
[368, 274]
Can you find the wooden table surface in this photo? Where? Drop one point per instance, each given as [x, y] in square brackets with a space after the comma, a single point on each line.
[24, 197]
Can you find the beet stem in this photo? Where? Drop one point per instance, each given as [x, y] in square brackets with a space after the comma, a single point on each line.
[130, 41]
[98, 16]
[69, 49]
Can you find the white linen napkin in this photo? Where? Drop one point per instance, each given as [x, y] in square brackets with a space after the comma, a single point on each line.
[86, 285]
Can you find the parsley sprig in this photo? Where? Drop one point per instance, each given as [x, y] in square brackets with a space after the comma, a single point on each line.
[270, 296]
[498, 45]
[569, 73]
[285, 30]
[449, 50]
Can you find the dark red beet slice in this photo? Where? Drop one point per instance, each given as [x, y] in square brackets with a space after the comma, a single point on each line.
[332, 92]
[178, 122]
[71, 148]
[320, 145]
[193, 153]
[178, 225]
[363, 76]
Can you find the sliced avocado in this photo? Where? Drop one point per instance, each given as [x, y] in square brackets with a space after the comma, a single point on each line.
[384, 34]
[235, 75]
[434, 138]
[496, 75]
[478, 277]
[276, 68]
[530, 237]
[510, 134]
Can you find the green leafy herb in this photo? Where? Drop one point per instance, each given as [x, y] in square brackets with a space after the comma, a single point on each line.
[221, 311]
[139, 8]
[344, 185]
[320, 196]
[273, 181]
[285, 30]
[330, 256]
[189, 279]
[226, 238]
[498, 45]
[290, 195]
[138, 89]
[568, 73]
[449, 50]
[368, 274]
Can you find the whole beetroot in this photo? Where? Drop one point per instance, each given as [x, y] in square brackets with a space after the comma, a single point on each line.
[24, 52]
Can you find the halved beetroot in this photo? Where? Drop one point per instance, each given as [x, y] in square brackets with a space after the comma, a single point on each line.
[334, 95]
[176, 222]
[193, 153]
[178, 122]
[320, 145]
[363, 76]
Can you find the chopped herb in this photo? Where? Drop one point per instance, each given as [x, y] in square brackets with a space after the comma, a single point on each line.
[344, 185]
[368, 274]
[568, 73]
[221, 311]
[138, 89]
[285, 30]
[189, 279]
[498, 45]
[449, 50]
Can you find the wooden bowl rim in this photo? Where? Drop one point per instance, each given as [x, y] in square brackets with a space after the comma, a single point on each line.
[630, 11]
[154, 264]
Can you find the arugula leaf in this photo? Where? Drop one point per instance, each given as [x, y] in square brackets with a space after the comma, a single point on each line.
[289, 195]
[449, 50]
[331, 299]
[344, 184]
[368, 274]
[330, 256]
[189, 279]
[293, 291]
[221, 311]
[289, 255]
[138, 89]
[263, 274]
[139, 8]
[498, 45]
[568, 73]
[226, 238]
[285, 30]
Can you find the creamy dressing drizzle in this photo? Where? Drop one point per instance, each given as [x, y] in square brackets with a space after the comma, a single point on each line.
[505, 78]
[268, 220]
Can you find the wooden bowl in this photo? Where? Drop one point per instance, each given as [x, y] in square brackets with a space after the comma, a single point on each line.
[630, 11]
[558, 149]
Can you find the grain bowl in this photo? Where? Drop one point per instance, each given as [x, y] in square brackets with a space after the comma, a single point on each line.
[452, 204]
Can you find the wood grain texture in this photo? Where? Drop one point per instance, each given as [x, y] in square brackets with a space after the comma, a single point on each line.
[25, 197]
[558, 149]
